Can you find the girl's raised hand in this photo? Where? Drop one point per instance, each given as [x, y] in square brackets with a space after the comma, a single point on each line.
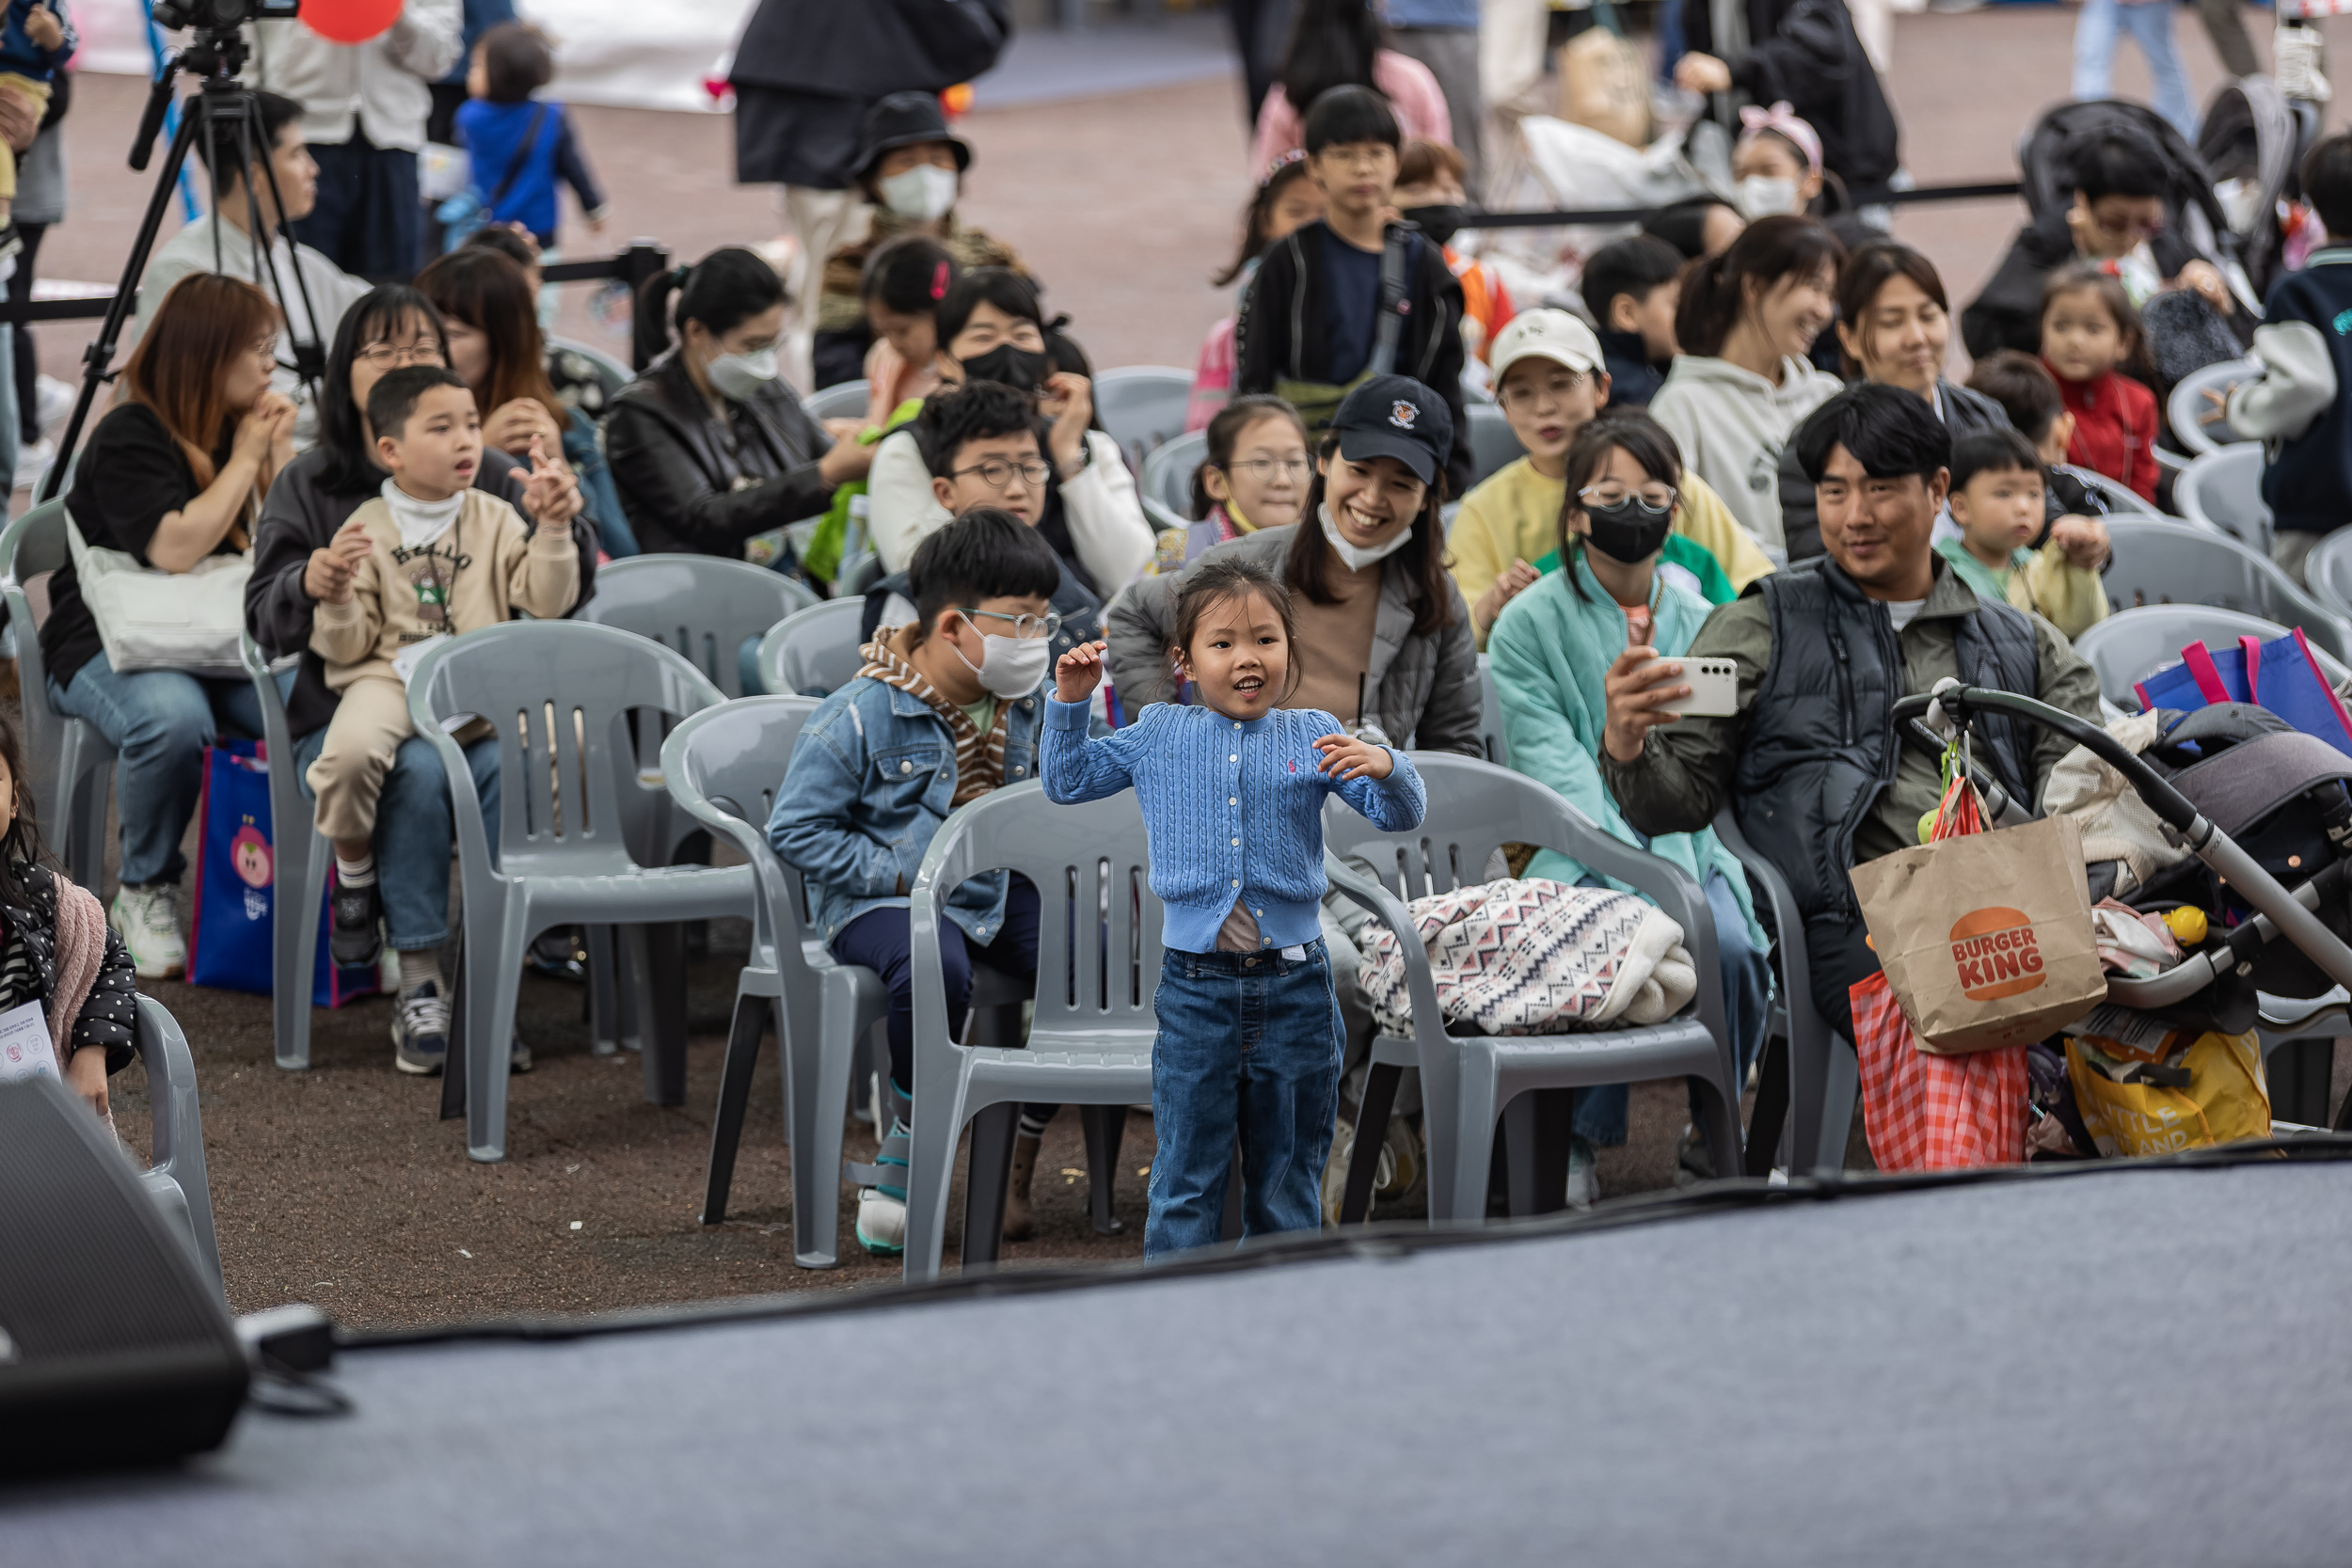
[1344, 757]
[1079, 672]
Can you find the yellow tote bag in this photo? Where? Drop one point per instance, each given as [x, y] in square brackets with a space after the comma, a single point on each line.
[2226, 1098]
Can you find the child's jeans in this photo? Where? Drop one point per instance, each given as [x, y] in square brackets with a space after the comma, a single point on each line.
[1249, 1043]
[2150, 22]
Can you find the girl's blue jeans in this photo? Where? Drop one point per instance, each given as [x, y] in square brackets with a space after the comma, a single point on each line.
[2150, 22]
[1249, 1046]
[159, 723]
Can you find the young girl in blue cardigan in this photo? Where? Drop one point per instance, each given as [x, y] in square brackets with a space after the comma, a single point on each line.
[1233, 792]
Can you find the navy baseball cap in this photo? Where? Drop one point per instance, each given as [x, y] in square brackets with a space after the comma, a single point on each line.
[1394, 416]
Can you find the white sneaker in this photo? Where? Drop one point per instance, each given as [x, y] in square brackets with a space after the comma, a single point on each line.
[151, 931]
[53, 400]
[1583, 1177]
[33, 461]
[881, 1222]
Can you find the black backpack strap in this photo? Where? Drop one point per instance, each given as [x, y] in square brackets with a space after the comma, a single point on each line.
[523, 156]
[1394, 251]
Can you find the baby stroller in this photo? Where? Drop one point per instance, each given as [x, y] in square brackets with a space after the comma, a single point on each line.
[2253, 802]
[2192, 210]
[2252, 139]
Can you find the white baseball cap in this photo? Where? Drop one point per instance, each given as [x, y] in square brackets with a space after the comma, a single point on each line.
[1556, 334]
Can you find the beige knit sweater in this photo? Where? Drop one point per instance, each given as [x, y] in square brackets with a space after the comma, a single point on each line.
[487, 565]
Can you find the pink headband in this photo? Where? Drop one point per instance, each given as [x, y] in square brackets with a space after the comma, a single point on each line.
[1781, 120]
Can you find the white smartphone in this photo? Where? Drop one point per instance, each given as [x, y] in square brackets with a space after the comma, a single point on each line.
[1714, 685]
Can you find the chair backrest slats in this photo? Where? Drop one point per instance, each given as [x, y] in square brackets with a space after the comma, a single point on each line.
[703, 607]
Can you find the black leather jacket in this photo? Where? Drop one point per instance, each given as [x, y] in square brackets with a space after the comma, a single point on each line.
[692, 484]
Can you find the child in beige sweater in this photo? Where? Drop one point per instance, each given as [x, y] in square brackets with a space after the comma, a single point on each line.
[431, 557]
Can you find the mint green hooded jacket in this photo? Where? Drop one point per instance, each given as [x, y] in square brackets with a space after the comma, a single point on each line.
[1549, 653]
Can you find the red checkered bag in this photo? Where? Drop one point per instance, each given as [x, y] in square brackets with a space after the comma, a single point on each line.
[1925, 1111]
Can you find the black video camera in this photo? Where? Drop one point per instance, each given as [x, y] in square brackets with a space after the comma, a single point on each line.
[220, 16]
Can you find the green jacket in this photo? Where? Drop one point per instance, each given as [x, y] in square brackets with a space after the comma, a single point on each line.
[1549, 653]
[1684, 773]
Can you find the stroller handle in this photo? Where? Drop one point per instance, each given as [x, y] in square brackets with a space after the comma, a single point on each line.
[2284, 912]
[2168, 804]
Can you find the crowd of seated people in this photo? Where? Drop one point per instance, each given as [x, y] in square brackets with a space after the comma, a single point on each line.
[1690, 484]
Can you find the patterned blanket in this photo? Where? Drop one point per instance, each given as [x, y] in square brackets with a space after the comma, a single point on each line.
[1531, 956]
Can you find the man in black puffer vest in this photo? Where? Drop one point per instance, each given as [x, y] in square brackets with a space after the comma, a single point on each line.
[1811, 765]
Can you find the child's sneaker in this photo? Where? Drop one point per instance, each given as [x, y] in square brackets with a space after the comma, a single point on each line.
[356, 936]
[420, 1030]
[1583, 1173]
[150, 928]
[881, 1222]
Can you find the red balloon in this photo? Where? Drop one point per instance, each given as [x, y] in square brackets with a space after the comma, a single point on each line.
[349, 21]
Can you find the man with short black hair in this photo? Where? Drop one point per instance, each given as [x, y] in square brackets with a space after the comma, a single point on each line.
[223, 241]
[1811, 765]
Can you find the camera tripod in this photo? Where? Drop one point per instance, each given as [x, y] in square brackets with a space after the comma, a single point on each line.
[213, 57]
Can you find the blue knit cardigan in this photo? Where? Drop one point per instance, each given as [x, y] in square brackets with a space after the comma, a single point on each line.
[1234, 808]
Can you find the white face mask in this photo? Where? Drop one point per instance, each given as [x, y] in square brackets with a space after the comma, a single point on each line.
[921, 194]
[1010, 666]
[1357, 556]
[740, 375]
[1759, 196]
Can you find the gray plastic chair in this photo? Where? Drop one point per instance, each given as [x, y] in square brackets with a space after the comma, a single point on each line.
[2185, 410]
[1143, 407]
[71, 763]
[2327, 572]
[1468, 1080]
[2159, 561]
[1167, 484]
[1494, 444]
[860, 574]
[843, 400]
[612, 374]
[1817, 1095]
[1098, 963]
[703, 606]
[813, 652]
[300, 869]
[2130, 645]
[2224, 488]
[175, 1175]
[559, 694]
[2118, 496]
[1491, 737]
[722, 765]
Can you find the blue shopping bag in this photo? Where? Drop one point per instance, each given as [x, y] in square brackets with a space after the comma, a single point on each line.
[236, 886]
[2282, 674]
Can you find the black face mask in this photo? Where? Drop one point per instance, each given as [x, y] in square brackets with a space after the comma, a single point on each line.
[1629, 532]
[1440, 223]
[1021, 368]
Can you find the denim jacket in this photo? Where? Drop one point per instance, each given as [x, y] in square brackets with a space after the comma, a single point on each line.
[869, 782]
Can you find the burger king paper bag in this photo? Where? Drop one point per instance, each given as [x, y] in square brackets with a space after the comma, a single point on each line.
[1986, 939]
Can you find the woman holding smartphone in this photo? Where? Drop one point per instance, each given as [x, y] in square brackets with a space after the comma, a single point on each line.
[1551, 652]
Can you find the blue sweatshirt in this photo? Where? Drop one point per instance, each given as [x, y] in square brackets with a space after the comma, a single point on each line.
[20, 57]
[492, 134]
[1234, 809]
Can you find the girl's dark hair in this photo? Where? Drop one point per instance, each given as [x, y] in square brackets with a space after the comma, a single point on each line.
[507, 241]
[1331, 46]
[911, 275]
[1285, 174]
[21, 847]
[1215, 579]
[1002, 287]
[1225, 431]
[517, 61]
[1422, 560]
[2117, 160]
[1869, 269]
[486, 290]
[372, 318]
[1714, 288]
[720, 291]
[2088, 278]
[1643, 439]
[1683, 224]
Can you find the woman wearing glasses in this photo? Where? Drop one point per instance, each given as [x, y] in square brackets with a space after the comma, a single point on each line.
[1552, 652]
[991, 328]
[709, 446]
[296, 565]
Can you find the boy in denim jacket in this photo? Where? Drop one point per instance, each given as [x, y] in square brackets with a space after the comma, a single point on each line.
[943, 710]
